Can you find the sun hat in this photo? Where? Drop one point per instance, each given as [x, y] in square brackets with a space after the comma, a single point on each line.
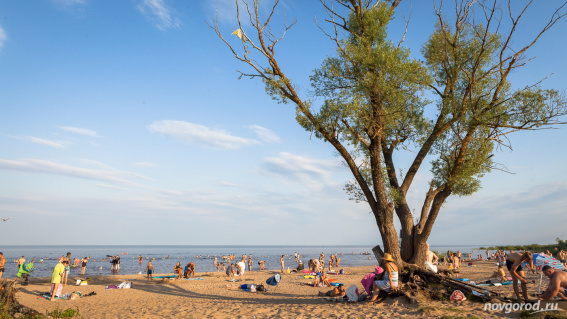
[387, 257]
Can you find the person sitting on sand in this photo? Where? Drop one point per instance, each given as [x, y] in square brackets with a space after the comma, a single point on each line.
[514, 265]
[500, 274]
[189, 270]
[456, 261]
[321, 280]
[177, 270]
[335, 292]
[430, 260]
[300, 266]
[230, 271]
[557, 283]
[390, 281]
[150, 270]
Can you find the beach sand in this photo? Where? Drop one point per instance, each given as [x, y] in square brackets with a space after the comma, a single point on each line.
[216, 297]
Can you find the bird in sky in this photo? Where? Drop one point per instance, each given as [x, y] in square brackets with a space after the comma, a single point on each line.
[5, 219]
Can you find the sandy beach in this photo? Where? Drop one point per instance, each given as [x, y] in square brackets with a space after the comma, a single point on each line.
[216, 297]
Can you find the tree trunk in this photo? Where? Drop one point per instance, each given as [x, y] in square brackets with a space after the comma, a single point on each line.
[11, 306]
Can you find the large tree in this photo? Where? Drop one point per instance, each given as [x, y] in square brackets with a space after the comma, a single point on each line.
[375, 106]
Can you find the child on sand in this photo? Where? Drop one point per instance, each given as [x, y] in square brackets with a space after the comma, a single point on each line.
[335, 292]
[150, 270]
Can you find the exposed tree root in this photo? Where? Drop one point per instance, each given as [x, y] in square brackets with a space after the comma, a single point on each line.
[8, 303]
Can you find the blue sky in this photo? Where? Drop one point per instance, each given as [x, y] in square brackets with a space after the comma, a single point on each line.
[124, 122]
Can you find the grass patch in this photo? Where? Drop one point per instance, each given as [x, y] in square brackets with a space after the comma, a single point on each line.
[66, 313]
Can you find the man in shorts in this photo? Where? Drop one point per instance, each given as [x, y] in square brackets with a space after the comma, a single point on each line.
[2, 263]
[557, 283]
[514, 265]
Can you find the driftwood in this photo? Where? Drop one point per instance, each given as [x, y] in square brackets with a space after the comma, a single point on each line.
[8, 303]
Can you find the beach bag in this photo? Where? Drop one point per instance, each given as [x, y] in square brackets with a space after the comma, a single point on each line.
[352, 294]
[274, 280]
[458, 295]
[125, 285]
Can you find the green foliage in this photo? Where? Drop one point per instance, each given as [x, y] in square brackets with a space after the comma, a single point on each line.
[65, 313]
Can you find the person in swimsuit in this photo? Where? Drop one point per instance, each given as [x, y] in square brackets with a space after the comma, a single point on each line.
[557, 283]
[190, 270]
[335, 292]
[250, 262]
[84, 265]
[150, 270]
[514, 265]
[282, 262]
[390, 281]
[2, 263]
[177, 270]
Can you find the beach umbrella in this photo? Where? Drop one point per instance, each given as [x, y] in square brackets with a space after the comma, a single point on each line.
[541, 260]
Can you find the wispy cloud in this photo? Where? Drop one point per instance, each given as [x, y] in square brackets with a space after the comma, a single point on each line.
[144, 164]
[70, 2]
[264, 134]
[78, 130]
[2, 37]
[315, 173]
[112, 187]
[159, 14]
[37, 140]
[200, 135]
[48, 167]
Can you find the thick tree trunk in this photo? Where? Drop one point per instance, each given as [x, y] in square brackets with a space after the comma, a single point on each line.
[10, 305]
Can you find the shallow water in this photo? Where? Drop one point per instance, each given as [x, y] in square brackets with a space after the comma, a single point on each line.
[351, 256]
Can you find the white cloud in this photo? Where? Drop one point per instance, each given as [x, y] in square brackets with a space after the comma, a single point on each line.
[37, 140]
[79, 130]
[144, 164]
[200, 135]
[315, 173]
[2, 37]
[48, 167]
[159, 14]
[265, 134]
[111, 187]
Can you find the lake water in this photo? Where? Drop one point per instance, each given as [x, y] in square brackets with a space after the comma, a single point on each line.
[351, 256]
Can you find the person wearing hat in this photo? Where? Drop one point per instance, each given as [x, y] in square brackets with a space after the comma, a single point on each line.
[390, 281]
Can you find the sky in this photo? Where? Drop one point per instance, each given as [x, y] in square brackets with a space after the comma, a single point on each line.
[125, 122]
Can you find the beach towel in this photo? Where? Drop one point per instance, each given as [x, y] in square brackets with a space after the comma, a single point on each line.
[367, 282]
[352, 294]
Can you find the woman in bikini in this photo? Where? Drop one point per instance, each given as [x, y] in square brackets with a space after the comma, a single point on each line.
[390, 281]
